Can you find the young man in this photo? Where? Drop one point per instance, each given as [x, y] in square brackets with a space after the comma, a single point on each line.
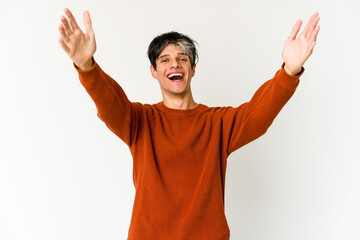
[180, 147]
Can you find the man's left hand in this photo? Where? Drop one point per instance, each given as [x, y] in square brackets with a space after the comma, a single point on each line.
[297, 50]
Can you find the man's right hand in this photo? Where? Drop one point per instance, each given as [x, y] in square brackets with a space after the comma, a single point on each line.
[79, 46]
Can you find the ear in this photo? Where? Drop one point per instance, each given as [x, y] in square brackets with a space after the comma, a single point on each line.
[193, 70]
[153, 72]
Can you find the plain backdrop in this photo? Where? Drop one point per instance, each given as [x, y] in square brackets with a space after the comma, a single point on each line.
[64, 175]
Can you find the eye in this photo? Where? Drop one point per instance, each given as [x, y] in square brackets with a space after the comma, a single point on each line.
[183, 59]
[164, 60]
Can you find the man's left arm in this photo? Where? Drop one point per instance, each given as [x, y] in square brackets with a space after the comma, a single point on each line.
[252, 119]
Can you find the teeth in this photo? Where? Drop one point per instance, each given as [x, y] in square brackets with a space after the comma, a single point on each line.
[175, 74]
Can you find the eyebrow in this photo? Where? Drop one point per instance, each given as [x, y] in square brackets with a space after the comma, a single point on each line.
[166, 55]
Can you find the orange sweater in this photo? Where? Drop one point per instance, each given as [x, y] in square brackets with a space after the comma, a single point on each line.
[179, 156]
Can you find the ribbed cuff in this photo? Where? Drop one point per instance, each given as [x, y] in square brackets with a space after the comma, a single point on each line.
[287, 80]
[83, 71]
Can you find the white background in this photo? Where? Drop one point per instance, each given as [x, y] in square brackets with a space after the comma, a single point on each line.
[64, 175]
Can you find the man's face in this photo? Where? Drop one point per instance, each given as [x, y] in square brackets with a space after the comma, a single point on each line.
[173, 71]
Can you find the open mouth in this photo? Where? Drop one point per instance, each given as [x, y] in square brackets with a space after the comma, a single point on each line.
[175, 76]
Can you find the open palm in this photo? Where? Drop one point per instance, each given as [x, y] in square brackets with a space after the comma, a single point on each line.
[297, 50]
[79, 46]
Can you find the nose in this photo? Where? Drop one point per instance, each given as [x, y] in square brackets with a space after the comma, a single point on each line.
[175, 63]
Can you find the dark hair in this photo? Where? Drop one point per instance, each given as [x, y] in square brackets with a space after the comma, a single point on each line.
[161, 41]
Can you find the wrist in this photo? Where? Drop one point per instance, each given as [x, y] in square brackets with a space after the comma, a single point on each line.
[292, 72]
[87, 65]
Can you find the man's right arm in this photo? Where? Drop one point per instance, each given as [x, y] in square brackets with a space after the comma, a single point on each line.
[113, 106]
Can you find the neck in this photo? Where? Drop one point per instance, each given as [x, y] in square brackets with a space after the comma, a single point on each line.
[179, 102]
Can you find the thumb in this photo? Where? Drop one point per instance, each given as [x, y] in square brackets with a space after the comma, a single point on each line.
[87, 21]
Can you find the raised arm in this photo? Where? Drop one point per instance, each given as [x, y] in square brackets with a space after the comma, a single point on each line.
[79, 47]
[252, 119]
[114, 108]
[298, 49]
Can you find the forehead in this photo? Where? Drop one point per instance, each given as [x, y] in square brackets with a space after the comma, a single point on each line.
[172, 49]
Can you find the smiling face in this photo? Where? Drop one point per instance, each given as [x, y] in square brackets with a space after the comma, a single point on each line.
[173, 71]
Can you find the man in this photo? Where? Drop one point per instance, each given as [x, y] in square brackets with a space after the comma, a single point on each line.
[180, 147]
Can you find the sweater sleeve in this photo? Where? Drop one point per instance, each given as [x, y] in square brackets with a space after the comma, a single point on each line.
[252, 119]
[113, 106]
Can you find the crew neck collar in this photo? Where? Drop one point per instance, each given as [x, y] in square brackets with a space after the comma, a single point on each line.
[161, 106]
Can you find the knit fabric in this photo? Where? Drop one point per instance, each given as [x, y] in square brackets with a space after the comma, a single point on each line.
[180, 156]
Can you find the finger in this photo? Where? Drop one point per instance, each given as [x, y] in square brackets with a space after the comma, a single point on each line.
[71, 18]
[312, 27]
[309, 24]
[87, 21]
[312, 46]
[63, 45]
[310, 49]
[295, 30]
[315, 33]
[66, 25]
[63, 34]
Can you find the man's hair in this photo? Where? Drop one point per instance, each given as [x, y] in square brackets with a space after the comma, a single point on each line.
[161, 41]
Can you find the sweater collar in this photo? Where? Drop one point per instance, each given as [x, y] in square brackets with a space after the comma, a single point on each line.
[161, 106]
